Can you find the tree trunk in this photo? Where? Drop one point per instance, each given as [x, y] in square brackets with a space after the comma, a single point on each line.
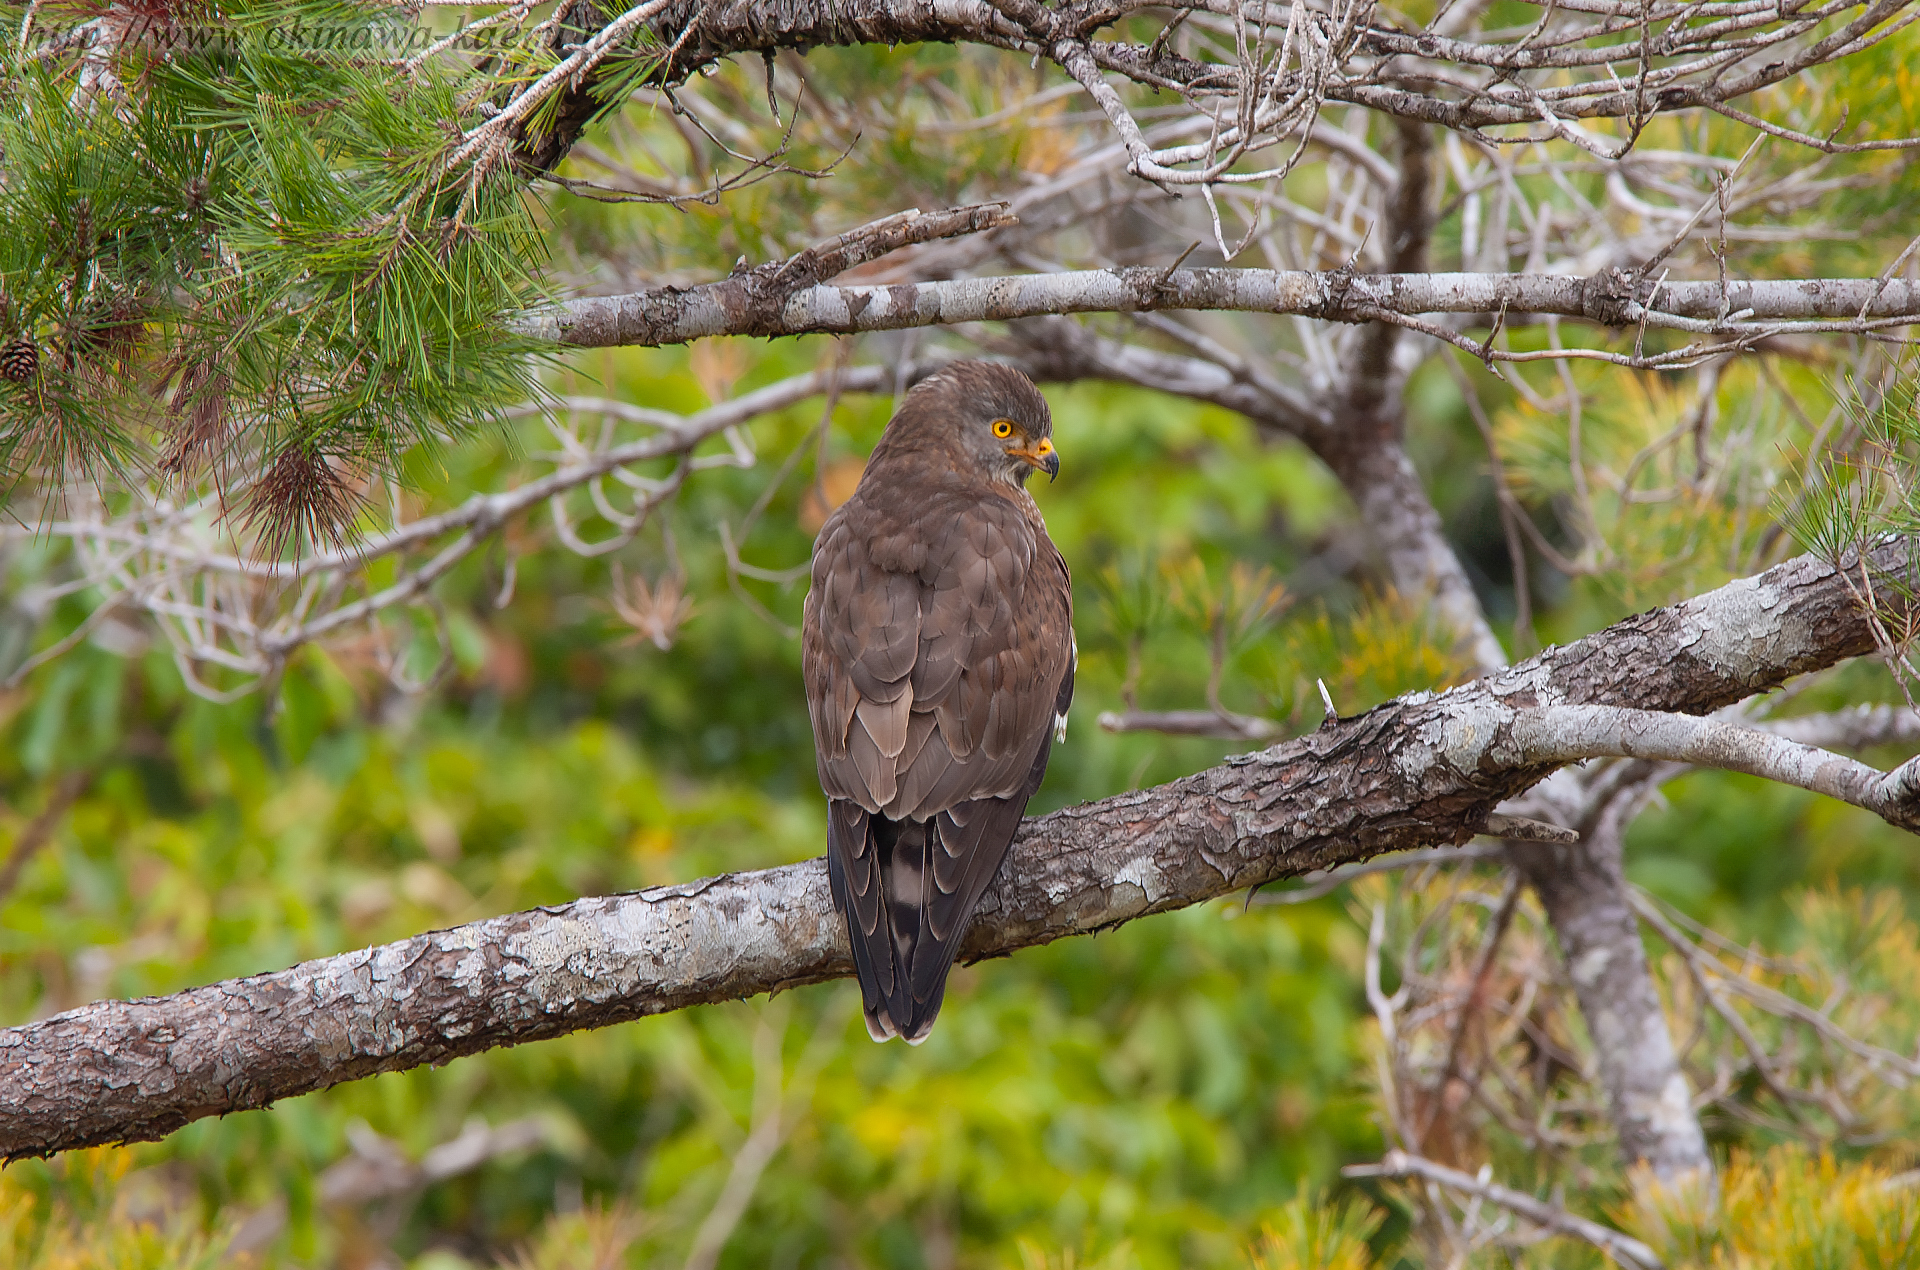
[1405, 529]
[1584, 891]
[1581, 886]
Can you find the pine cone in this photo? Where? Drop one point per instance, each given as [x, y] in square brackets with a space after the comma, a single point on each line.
[19, 360]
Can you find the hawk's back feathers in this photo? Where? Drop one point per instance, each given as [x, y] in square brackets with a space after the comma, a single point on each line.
[938, 651]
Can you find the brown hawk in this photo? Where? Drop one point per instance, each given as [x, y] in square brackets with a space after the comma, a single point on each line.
[938, 653]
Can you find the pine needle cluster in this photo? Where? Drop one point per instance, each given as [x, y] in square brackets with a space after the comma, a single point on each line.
[1784, 1207]
[245, 254]
[1863, 489]
[1866, 485]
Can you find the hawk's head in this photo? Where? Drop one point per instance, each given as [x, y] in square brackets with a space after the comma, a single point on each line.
[989, 418]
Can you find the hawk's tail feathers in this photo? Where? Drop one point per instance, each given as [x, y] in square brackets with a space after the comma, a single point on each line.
[858, 850]
[907, 891]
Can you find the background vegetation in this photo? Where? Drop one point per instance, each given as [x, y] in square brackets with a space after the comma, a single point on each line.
[1154, 1096]
[1180, 1092]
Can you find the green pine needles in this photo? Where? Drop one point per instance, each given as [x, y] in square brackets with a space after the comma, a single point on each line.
[1862, 489]
[242, 253]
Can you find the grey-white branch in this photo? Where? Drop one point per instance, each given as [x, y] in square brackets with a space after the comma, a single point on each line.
[1736, 312]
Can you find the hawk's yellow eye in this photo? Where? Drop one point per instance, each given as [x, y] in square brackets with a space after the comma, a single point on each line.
[1001, 428]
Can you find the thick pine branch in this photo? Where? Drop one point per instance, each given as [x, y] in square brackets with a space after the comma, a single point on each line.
[1424, 770]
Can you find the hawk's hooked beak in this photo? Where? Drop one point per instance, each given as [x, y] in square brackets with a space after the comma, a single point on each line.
[1042, 455]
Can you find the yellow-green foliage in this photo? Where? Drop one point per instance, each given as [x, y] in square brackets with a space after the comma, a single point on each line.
[1865, 955]
[84, 1220]
[594, 1238]
[1857, 968]
[1034, 1257]
[1310, 1234]
[1670, 500]
[1787, 1207]
[1235, 602]
[1386, 646]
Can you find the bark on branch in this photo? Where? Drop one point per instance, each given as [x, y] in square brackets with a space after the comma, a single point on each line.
[1418, 772]
[755, 301]
[1574, 733]
[1752, 309]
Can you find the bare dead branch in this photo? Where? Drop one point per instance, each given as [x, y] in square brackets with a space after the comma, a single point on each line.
[1289, 58]
[754, 301]
[1569, 733]
[1226, 726]
[377, 1168]
[1621, 1247]
[1712, 976]
[168, 560]
[1854, 728]
[39, 831]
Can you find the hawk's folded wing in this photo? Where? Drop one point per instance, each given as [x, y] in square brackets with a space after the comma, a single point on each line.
[938, 648]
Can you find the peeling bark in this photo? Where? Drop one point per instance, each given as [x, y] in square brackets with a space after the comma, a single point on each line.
[1416, 772]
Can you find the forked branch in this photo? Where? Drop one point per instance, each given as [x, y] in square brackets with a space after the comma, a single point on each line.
[1413, 773]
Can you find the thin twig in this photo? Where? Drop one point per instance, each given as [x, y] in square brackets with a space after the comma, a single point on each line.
[39, 830]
